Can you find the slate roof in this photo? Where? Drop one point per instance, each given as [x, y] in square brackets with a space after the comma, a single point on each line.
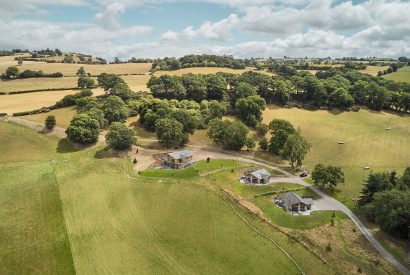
[181, 154]
[261, 174]
[291, 198]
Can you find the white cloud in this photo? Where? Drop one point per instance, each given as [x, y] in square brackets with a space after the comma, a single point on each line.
[109, 18]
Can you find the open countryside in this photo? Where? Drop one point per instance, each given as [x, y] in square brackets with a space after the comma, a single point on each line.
[232, 139]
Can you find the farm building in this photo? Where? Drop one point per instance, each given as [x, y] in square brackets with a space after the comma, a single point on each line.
[295, 203]
[178, 159]
[259, 176]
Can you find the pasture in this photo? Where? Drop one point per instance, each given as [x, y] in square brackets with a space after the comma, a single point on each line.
[207, 70]
[42, 83]
[373, 70]
[71, 69]
[63, 116]
[366, 142]
[31, 101]
[137, 224]
[402, 75]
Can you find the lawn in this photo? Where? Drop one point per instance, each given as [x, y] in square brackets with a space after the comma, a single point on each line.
[203, 166]
[71, 69]
[185, 173]
[402, 75]
[366, 142]
[31, 101]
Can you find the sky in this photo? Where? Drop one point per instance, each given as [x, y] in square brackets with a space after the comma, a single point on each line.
[243, 28]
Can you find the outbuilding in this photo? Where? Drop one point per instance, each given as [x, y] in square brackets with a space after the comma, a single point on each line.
[295, 203]
[259, 176]
[178, 159]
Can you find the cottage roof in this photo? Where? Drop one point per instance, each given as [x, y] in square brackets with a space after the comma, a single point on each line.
[291, 198]
[180, 154]
[261, 174]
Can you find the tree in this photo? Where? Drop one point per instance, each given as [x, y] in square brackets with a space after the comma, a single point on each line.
[376, 182]
[250, 143]
[167, 86]
[115, 109]
[120, 137]
[263, 144]
[279, 129]
[195, 86]
[231, 135]
[404, 182]
[108, 81]
[20, 61]
[295, 149]
[341, 98]
[85, 82]
[83, 129]
[11, 72]
[122, 90]
[249, 109]
[244, 89]
[81, 72]
[216, 86]
[188, 121]
[261, 129]
[50, 122]
[327, 176]
[170, 132]
[98, 115]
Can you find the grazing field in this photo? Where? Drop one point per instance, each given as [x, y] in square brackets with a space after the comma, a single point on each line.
[42, 83]
[402, 75]
[207, 70]
[137, 83]
[63, 116]
[31, 101]
[373, 70]
[137, 225]
[366, 142]
[71, 69]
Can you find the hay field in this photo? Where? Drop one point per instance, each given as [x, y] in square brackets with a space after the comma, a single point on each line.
[137, 225]
[137, 83]
[373, 70]
[63, 116]
[207, 70]
[367, 143]
[31, 101]
[93, 69]
[42, 83]
[402, 75]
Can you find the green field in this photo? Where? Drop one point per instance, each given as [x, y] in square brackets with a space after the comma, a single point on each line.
[117, 222]
[402, 75]
[366, 142]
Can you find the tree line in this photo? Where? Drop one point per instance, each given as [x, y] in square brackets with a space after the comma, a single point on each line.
[14, 73]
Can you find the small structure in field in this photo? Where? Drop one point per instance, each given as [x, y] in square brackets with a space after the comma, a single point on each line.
[178, 159]
[292, 202]
[388, 129]
[260, 176]
[341, 142]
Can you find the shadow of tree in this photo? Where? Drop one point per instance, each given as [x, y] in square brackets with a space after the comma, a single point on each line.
[65, 146]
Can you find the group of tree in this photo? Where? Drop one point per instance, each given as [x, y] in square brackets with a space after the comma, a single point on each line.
[193, 60]
[14, 73]
[393, 67]
[232, 135]
[385, 200]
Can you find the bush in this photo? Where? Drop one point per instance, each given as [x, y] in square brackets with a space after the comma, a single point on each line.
[83, 129]
[120, 137]
[50, 122]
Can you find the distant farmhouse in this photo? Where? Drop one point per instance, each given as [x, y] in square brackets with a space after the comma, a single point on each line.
[294, 203]
[178, 159]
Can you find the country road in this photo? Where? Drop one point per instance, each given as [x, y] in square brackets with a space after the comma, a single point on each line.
[203, 152]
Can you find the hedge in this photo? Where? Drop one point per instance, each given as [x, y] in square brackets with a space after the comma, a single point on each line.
[3, 114]
[43, 90]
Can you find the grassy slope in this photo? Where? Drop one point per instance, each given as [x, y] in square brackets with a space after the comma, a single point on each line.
[402, 75]
[122, 225]
[63, 116]
[373, 70]
[33, 237]
[367, 143]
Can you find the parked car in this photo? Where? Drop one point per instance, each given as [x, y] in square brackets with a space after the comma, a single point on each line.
[304, 174]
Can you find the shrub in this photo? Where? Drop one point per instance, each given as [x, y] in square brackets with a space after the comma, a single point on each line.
[50, 122]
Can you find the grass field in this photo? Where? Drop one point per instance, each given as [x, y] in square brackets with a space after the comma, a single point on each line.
[206, 70]
[170, 173]
[367, 143]
[373, 70]
[71, 69]
[137, 225]
[63, 116]
[38, 84]
[402, 75]
[30, 101]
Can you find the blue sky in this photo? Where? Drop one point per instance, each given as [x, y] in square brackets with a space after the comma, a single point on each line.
[157, 28]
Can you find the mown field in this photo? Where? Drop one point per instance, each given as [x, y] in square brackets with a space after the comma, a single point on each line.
[373, 70]
[402, 75]
[206, 70]
[137, 225]
[71, 69]
[30, 101]
[366, 142]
